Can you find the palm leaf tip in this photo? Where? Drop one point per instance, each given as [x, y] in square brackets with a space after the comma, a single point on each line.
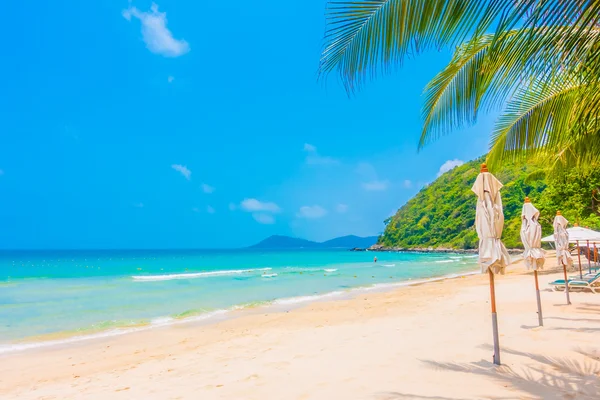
[366, 37]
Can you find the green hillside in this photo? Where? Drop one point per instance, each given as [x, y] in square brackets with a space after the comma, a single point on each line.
[442, 214]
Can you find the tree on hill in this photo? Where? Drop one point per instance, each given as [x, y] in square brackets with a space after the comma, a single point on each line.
[443, 213]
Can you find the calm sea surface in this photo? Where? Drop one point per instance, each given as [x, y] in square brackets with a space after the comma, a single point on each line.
[57, 296]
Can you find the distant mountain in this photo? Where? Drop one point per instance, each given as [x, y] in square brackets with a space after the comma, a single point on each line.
[287, 242]
[350, 242]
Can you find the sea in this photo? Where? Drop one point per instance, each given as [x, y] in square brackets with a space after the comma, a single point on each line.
[56, 297]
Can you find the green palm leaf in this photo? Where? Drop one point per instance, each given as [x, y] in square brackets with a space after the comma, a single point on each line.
[365, 35]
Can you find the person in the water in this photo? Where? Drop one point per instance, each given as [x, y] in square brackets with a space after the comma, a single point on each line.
[375, 259]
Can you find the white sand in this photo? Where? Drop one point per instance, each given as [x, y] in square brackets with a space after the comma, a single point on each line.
[431, 341]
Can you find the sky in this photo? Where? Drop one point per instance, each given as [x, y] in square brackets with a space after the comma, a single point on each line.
[187, 124]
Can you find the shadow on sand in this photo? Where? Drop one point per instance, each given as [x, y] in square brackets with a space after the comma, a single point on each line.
[407, 396]
[546, 378]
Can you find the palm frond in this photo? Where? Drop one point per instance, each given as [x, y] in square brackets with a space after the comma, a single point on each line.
[363, 36]
[474, 79]
[536, 119]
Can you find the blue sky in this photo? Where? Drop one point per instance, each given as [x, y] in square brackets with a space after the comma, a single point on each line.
[191, 124]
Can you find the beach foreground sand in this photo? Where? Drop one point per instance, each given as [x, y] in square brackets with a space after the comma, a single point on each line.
[431, 341]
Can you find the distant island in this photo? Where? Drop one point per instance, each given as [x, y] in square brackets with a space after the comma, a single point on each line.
[288, 242]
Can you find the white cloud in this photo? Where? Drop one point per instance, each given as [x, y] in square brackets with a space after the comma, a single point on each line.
[341, 208]
[210, 210]
[314, 158]
[312, 212]
[183, 170]
[375, 186]
[262, 218]
[309, 148]
[156, 35]
[407, 184]
[253, 205]
[232, 207]
[207, 188]
[170, 78]
[448, 165]
[139, 205]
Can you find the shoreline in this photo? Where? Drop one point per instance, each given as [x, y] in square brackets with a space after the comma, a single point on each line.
[216, 316]
[425, 250]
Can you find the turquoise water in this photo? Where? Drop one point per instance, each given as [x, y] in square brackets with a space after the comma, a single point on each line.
[50, 294]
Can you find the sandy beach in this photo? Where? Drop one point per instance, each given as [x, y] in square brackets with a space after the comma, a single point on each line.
[430, 341]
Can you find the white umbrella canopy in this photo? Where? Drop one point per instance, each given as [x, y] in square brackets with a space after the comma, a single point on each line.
[578, 233]
[489, 223]
[561, 238]
[531, 236]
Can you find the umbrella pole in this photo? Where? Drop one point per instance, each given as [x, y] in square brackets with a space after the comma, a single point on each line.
[566, 282]
[539, 300]
[494, 319]
[579, 258]
[588, 255]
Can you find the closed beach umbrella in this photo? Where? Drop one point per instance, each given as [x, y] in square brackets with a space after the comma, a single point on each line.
[561, 239]
[531, 236]
[489, 223]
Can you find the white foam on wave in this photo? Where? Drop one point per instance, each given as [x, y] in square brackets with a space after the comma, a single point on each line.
[192, 275]
[155, 323]
[388, 265]
[330, 269]
[269, 275]
[161, 321]
[444, 261]
[304, 299]
[383, 286]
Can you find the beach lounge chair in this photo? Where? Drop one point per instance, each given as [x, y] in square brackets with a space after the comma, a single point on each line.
[592, 283]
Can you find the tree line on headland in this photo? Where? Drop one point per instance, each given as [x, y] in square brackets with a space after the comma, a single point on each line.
[442, 214]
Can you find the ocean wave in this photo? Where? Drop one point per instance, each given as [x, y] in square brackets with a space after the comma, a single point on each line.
[388, 265]
[304, 299]
[330, 269]
[192, 275]
[162, 321]
[384, 286]
[156, 322]
[169, 320]
[444, 261]
[269, 275]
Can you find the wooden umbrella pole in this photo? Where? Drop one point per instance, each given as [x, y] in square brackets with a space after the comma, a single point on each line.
[566, 282]
[579, 258]
[589, 259]
[595, 257]
[494, 319]
[539, 300]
